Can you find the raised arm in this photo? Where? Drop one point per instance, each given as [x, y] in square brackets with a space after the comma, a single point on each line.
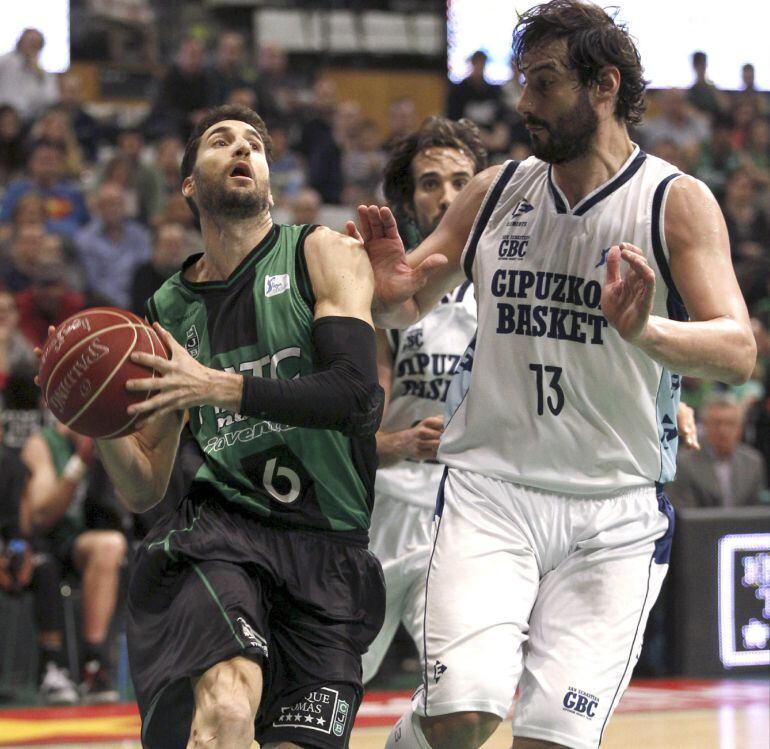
[407, 287]
[717, 342]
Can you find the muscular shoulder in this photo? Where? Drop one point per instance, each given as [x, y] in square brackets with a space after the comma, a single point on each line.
[691, 211]
[340, 272]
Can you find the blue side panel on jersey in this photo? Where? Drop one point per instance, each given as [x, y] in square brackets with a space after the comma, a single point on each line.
[662, 552]
[461, 382]
[666, 405]
[486, 212]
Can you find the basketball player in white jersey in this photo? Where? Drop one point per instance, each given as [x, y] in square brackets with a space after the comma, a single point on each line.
[601, 275]
[424, 174]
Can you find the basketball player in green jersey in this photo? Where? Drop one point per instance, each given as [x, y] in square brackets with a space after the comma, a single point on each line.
[251, 604]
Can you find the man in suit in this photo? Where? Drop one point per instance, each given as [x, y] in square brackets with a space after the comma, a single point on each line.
[726, 472]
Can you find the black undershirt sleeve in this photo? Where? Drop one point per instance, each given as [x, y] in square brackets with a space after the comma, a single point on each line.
[343, 393]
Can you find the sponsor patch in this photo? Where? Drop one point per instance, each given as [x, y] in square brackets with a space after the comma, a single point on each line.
[580, 703]
[322, 710]
[275, 285]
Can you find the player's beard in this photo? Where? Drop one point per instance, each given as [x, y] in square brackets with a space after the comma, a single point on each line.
[570, 137]
[217, 199]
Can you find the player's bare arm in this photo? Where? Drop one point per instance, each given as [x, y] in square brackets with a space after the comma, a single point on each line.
[407, 287]
[419, 442]
[717, 342]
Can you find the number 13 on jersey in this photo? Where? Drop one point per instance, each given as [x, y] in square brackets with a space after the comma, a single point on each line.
[554, 399]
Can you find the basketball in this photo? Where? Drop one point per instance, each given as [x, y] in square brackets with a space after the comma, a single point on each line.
[85, 365]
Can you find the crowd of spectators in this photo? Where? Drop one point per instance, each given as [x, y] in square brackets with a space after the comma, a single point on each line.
[91, 214]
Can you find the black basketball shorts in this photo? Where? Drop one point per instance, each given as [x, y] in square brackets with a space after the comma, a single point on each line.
[212, 582]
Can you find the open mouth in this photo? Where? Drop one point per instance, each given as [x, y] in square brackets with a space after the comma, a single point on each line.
[241, 170]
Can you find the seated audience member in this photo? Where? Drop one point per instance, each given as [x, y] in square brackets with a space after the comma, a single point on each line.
[65, 206]
[24, 84]
[21, 410]
[53, 516]
[725, 472]
[287, 171]
[12, 154]
[15, 350]
[676, 121]
[169, 249]
[55, 126]
[15, 556]
[306, 207]
[717, 158]
[27, 249]
[87, 129]
[703, 94]
[111, 247]
[48, 301]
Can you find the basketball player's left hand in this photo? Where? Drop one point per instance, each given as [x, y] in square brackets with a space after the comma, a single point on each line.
[627, 298]
[183, 382]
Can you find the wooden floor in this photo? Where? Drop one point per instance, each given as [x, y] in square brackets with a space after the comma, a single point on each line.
[682, 714]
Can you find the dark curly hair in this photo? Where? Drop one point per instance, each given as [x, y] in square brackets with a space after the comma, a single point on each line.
[434, 132]
[211, 117]
[594, 40]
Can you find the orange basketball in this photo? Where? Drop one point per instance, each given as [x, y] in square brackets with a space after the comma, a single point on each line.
[85, 365]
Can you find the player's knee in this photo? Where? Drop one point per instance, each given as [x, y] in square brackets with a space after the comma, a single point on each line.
[463, 730]
[109, 550]
[229, 693]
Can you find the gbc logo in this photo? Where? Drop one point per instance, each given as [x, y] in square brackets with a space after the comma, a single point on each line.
[580, 703]
[513, 247]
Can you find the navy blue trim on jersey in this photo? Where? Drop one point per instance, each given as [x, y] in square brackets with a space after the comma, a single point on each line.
[608, 189]
[486, 213]
[662, 552]
[674, 304]
[439, 511]
[462, 290]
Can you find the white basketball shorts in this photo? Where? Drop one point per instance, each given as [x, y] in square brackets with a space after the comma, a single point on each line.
[545, 593]
[400, 537]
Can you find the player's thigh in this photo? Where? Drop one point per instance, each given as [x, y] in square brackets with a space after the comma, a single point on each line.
[586, 633]
[106, 547]
[481, 585]
[231, 685]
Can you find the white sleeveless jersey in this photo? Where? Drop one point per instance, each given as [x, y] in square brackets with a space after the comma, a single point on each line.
[548, 394]
[425, 356]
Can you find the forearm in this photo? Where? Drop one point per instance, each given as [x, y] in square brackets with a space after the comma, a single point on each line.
[48, 506]
[722, 349]
[139, 465]
[392, 447]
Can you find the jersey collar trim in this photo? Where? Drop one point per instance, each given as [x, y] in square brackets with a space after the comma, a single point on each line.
[625, 173]
[260, 251]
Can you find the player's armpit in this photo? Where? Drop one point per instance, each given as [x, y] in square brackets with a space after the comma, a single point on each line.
[340, 274]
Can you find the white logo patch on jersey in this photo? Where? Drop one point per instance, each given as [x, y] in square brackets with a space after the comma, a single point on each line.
[275, 285]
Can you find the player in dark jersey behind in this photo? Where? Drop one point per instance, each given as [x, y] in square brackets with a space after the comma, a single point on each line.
[250, 606]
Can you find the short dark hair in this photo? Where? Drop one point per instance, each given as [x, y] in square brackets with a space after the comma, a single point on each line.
[594, 40]
[699, 58]
[211, 117]
[434, 132]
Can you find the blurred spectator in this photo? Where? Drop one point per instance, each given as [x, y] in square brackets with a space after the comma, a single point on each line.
[177, 211]
[744, 113]
[306, 207]
[111, 247]
[167, 161]
[755, 155]
[15, 552]
[20, 407]
[12, 154]
[276, 82]
[183, 93]
[48, 301]
[750, 93]
[362, 164]
[669, 150]
[717, 156]
[169, 249]
[143, 182]
[15, 350]
[88, 130]
[54, 126]
[725, 472]
[677, 122]
[402, 120]
[29, 248]
[29, 210]
[703, 94]
[482, 103]
[23, 83]
[749, 231]
[230, 69]
[287, 172]
[65, 207]
[53, 515]
[318, 144]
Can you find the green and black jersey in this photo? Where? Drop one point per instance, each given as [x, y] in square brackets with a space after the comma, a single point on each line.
[258, 323]
[72, 523]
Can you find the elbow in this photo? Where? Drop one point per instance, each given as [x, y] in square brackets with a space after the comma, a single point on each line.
[744, 362]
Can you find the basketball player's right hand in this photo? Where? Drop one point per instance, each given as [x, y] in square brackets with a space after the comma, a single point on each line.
[395, 281]
[423, 438]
